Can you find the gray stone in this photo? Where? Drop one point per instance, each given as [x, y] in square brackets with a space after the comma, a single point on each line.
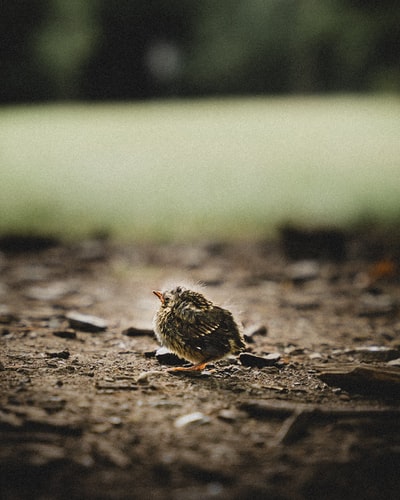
[86, 322]
[248, 359]
[166, 357]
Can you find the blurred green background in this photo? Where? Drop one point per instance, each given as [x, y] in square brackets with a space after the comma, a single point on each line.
[181, 119]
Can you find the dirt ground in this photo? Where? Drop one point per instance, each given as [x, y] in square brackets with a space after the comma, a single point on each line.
[311, 411]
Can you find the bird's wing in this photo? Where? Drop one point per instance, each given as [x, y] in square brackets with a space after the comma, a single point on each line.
[199, 320]
[209, 330]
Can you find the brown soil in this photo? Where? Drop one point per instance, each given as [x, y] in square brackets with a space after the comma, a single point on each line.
[94, 414]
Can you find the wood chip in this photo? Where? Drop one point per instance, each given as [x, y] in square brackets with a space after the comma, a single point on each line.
[364, 379]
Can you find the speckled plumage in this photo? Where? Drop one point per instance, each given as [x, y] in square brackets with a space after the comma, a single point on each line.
[194, 328]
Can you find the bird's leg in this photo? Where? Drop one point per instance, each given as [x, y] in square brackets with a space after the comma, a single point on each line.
[198, 367]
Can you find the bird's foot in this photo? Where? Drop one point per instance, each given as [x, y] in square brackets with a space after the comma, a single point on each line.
[195, 368]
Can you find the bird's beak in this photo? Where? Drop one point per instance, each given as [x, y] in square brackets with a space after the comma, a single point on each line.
[159, 295]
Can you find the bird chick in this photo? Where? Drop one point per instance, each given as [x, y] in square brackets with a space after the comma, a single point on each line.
[195, 329]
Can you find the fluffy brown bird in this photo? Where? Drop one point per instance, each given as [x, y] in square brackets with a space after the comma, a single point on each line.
[194, 328]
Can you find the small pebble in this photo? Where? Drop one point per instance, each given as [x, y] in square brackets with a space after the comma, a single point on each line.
[228, 415]
[375, 305]
[251, 332]
[394, 362]
[273, 357]
[61, 354]
[144, 377]
[6, 316]
[65, 334]
[253, 360]
[133, 331]
[315, 355]
[303, 270]
[192, 418]
[116, 421]
[166, 357]
[86, 322]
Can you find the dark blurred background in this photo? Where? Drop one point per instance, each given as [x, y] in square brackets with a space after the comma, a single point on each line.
[139, 49]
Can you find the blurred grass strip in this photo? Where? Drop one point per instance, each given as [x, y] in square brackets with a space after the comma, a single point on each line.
[191, 169]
